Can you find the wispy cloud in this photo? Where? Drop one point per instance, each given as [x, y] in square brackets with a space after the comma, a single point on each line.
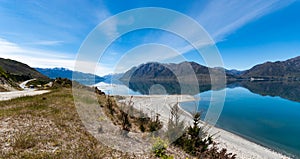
[35, 57]
[222, 17]
[142, 54]
[48, 59]
[94, 68]
[46, 43]
[50, 24]
[61, 25]
[110, 29]
[27, 23]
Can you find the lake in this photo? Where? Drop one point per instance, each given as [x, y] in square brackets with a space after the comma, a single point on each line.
[267, 113]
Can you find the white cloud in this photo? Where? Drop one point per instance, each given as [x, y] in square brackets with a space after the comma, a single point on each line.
[101, 14]
[47, 42]
[34, 57]
[151, 52]
[102, 69]
[199, 44]
[48, 59]
[67, 24]
[221, 17]
[110, 29]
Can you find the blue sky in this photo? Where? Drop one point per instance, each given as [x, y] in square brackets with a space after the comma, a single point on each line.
[50, 33]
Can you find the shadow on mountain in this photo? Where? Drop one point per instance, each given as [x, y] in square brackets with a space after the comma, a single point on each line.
[283, 89]
[170, 87]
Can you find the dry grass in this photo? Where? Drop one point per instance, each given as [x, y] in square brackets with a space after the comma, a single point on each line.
[137, 119]
[47, 126]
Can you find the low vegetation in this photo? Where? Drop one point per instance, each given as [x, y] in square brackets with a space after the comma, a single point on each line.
[7, 81]
[194, 140]
[19, 71]
[197, 142]
[127, 117]
[48, 126]
[160, 147]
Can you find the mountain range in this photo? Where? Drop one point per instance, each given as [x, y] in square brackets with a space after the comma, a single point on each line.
[289, 69]
[83, 78]
[13, 72]
[153, 71]
[113, 78]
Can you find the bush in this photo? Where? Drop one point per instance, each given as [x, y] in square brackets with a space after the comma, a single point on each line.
[142, 128]
[175, 126]
[195, 140]
[159, 148]
[126, 125]
[62, 83]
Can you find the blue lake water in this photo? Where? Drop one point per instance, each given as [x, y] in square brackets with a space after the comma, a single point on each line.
[268, 120]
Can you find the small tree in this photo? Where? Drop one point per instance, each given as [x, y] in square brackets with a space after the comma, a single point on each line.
[175, 126]
[155, 125]
[109, 105]
[125, 123]
[195, 140]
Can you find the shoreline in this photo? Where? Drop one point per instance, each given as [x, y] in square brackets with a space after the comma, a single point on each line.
[244, 148]
[284, 154]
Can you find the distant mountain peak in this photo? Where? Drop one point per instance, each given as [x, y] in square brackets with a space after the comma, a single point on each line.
[83, 78]
[289, 69]
[169, 72]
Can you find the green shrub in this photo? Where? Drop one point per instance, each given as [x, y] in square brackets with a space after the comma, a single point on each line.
[197, 142]
[159, 148]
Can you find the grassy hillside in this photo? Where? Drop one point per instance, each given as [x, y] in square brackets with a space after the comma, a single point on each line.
[47, 126]
[289, 69]
[6, 83]
[18, 71]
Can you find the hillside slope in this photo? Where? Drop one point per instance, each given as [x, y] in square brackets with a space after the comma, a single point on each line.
[154, 71]
[13, 72]
[18, 71]
[6, 83]
[289, 69]
[185, 71]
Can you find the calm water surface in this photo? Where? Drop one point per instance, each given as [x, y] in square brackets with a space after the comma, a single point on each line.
[269, 120]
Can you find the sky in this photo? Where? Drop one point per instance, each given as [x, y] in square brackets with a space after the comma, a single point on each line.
[49, 34]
